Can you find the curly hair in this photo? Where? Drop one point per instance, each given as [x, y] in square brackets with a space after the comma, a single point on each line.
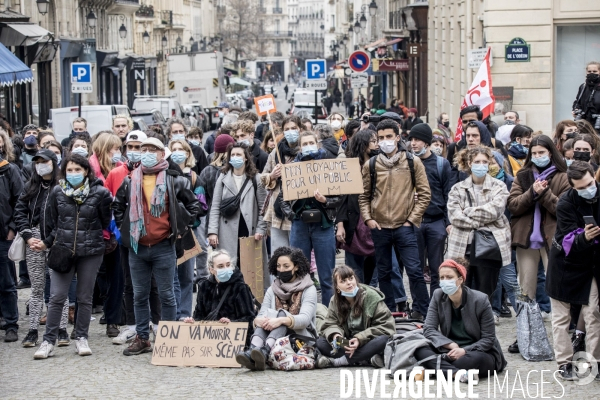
[244, 125]
[248, 116]
[173, 121]
[464, 157]
[297, 258]
[85, 138]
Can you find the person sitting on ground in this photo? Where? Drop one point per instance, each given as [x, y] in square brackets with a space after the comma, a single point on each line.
[356, 312]
[289, 306]
[466, 338]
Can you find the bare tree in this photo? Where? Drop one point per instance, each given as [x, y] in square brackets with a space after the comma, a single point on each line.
[241, 29]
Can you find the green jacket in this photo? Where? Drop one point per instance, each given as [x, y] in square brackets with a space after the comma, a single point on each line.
[377, 318]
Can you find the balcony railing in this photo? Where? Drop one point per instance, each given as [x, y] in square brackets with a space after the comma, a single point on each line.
[277, 10]
[278, 34]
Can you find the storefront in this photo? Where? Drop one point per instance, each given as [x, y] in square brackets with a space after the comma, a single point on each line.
[109, 68]
[13, 75]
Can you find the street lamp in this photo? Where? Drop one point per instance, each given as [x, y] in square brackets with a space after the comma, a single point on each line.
[42, 6]
[146, 37]
[191, 40]
[363, 21]
[373, 8]
[357, 27]
[91, 19]
[178, 41]
[122, 31]
[164, 41]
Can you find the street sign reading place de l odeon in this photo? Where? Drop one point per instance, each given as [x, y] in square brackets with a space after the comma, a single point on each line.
[517, 51]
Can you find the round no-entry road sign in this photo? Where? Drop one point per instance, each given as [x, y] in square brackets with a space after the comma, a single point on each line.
[359, 61]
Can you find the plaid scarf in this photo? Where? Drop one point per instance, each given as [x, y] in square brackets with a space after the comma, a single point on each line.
[78, 195]
[157, 202]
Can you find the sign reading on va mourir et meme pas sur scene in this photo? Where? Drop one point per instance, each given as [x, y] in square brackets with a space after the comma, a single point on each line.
[332, 177]
[201, 344]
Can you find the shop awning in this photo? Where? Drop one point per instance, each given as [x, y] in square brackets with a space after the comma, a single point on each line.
[13, 70]
[24, 34]
[393, 41]
[375, 44]
[238, 81]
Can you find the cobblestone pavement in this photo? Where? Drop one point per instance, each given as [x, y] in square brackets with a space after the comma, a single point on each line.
[109, 374]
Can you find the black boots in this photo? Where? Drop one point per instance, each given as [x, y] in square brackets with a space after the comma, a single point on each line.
[244, 359]
[260, 357]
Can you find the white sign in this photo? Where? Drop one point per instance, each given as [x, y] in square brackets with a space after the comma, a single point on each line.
[316, 85]
[359, 80]
[81, 78]
[265, 104]
[475, 58]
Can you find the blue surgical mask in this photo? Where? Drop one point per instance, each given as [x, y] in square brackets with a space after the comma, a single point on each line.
[75, 179]
[541, 161]
[236, 162]
[291, 136]
[80, 150]
[149, 159]
[309, 149]
[569, 162]
[588, 193]
[448, 286]
[245, 142]
[194, 142]
[223, 275]
[116, 157]
[420, 153]
[350, 294]
[178, 136]
[178, 156]
[479, 170]
[134, 156]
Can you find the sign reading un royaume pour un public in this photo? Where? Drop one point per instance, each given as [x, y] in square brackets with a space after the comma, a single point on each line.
[517, 51]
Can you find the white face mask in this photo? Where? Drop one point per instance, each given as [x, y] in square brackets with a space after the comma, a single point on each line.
[44, 169]
[387, 146]
[336, 124]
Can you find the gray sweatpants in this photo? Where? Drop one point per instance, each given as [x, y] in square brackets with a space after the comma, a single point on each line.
[86, 269]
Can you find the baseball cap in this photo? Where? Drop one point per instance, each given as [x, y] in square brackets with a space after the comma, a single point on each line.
[223, 104]
[135, 136]
[45, 154]
[154, 142]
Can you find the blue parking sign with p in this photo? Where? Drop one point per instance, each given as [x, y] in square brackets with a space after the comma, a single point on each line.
[315, 69]
[81, 73]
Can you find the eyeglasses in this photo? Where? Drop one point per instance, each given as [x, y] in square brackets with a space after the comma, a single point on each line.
[469, 121]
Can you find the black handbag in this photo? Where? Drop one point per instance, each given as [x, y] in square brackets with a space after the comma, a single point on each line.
[60, 258]
[484, 246]
[230, 205]
[311, 216]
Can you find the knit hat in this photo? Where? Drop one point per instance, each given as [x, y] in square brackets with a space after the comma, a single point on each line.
[412, 110]
[222, 142]
[422, 132]
[459, 268]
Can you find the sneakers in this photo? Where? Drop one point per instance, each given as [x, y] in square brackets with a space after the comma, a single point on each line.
[31, 340]
[496, 319]
[102, 320]
[464, 378]
[565, 372]
[138, 346]
[23, 284]
[324, 362]
[505, 311]
[63, 338]
[514, 348]
[46, 350]
[82, 348]
[126, 335]
[377, 361]
[11, 336]
[112, 330]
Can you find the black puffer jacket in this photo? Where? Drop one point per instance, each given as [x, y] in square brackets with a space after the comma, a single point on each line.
[208, 179]
[79, 226]
[33, 212]
[11, 187]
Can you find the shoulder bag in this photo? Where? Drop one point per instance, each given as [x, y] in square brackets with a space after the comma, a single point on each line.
[16, 252]
[230, 205]
[484, 246]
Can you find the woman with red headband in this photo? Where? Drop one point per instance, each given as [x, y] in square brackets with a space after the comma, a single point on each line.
[466, 338]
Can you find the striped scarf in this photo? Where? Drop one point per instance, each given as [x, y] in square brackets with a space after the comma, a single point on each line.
[157, 202]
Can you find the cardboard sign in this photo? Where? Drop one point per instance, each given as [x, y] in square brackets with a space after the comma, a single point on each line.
[201, 344]
[265, 104]
[251, 265]
[191, 253]
[332, 177]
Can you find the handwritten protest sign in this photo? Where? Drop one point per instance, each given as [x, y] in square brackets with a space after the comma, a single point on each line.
[331, 177]
[251, 265]
[265, 104]
[201, 344]
[191, 253]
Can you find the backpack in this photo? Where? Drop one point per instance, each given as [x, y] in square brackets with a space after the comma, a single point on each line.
[373, 174]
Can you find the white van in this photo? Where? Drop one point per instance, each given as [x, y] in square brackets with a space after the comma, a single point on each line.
[168, 106]
[99, 118]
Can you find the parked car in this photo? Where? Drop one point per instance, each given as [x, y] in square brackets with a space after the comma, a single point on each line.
[236, 100]
[202, 115]
[151, 117]
[270, 89]
[139, 124]
[99, 118]
[308, 111]
[168, 106]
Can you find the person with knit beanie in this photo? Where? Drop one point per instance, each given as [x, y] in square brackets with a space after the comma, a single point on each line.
[221, 143]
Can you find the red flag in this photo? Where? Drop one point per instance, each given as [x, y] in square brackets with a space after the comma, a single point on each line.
[480, 93]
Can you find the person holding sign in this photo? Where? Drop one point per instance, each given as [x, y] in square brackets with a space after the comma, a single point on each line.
[313, 219]
[237, 196]
[357, 320]
[289, 306]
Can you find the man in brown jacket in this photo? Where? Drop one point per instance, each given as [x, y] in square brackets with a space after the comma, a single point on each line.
[393, 208]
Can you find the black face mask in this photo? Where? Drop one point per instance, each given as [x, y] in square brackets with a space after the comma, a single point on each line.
[582, 156]
[285, 276]
[373, 153]
[446, 124]
[592, 78]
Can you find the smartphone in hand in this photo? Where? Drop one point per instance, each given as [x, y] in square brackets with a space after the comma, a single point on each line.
[589, 220]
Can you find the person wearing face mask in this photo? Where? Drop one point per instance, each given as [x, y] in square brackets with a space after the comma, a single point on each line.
[358, 314]
[460, 326]
[587, 102]
[289, 306]
[478, 203]
[444, 127]
[435, 225]
[336, 121]
[224, 281]
[532, 204]
[238, 178]
[78, 212]
[153, 208]
[243, 133]
[106, 155]
[30, 134]
[177, 130]
[573, 266]
[80, 145]
[584, 149]
[518, 148]
[223, 110]
[30, 216]
[438, 144]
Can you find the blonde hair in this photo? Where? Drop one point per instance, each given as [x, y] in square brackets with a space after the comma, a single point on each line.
[466, 156]
[101, 147]
[244, 125]
[124, 116]
[9, 151]
[191, 160]
[219, 159]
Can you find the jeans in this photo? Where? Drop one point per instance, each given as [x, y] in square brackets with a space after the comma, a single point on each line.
[431, 238]
[508, 280]
[311, 236]
[366, 270]
[113, 302]
[279, 238]
[72, 289]
[404, 240]
[161, 261]
[363, 353]
[86, 269]
[155, 308]
[201, 267]
[540, 295]
[8, 288]
[183, 285]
